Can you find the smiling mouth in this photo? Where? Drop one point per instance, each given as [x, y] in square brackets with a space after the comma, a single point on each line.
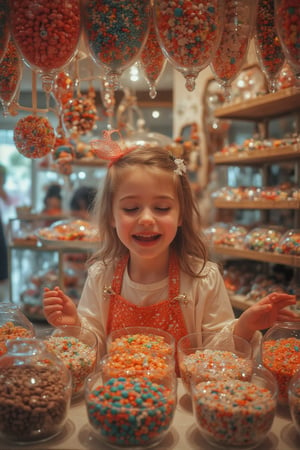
[148, 238]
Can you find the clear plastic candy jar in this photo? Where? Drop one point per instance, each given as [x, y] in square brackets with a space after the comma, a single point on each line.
[13, 324]
[35, 392]
[289, 243]
[281, 354]
[235, 413]
[294, 399]
[128, 411]
[263, 239]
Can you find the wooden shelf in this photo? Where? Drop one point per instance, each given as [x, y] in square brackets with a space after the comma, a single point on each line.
[259, 156]
[275, 258]
[257, 204]
[276, 104]
[89, 162]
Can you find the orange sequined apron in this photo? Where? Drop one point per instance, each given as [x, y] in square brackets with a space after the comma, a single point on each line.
[166, 315]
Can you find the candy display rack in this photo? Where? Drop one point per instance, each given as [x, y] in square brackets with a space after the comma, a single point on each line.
[261, 111]
[33, 266]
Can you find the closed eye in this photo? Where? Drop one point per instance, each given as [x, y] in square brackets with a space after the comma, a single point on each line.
[130, 210]
[167, 208]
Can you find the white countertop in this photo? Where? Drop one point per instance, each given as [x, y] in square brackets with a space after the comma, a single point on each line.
[183, 434]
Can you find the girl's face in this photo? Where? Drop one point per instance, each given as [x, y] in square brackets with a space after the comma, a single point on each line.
[146, 212]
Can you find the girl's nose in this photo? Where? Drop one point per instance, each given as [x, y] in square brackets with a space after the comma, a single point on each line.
[146, 216]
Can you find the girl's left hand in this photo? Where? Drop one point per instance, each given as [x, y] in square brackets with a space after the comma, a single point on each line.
[265, 313]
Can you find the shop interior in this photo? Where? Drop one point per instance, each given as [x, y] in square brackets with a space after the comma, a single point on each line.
[238, 133]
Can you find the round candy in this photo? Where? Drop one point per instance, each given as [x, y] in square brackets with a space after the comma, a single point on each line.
[63, 88]
[268, 47]
[34, 136]
[116, 31]
[80, 115]
[152, 60]
[188, 33]
[4, 27]
[46, 32]
[236, 35]
[10, 74]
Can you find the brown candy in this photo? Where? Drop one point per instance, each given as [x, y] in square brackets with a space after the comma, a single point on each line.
[32, 410]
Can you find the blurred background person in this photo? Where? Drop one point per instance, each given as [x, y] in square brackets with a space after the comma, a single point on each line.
[53, 201]
[82, 201]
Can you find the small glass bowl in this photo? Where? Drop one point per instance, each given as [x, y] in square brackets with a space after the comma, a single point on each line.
[141, 338]
[35, 392]
[235, 413]
[130, 412]
[13, 324]
[294, 399]
[76, 347]
[198, 352]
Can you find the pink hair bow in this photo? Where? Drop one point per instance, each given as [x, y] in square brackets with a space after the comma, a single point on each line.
[107, 148]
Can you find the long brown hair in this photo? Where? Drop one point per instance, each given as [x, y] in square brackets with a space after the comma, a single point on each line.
[189, 239]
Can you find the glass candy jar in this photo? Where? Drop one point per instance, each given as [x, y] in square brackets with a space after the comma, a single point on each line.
[35, 392]
[134, 411]
[13, 324]
[281, 354]
[294, 399]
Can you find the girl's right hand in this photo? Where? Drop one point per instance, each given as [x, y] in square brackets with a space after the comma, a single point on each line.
[59, 309]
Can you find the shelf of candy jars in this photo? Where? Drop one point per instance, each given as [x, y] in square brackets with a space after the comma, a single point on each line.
[34, 265]
[259, 190]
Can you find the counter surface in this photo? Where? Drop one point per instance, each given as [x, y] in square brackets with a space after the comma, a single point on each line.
[183, 435]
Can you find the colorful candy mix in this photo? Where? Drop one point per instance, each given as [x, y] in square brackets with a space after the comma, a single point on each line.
[77, 356]
[11, 331]
[80, 115]
[152, 60]
[34, 136]
[4, 27]
[213, 364]
[116, 30]
[288, 29]
[137, 363]
[46, 32]
[268, 47]
[282, 358]
[236, 36]
[141, 342]
[188, 32]
[233, 412]
[289, 244]
[63, 88]
[130, 412]
[10, 74]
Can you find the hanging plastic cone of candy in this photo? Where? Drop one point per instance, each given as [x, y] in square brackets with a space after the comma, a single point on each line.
[189, 33]
[152, 61]
[238, 19]
[34, 136]
[10, 76]
[287, 20]
[115, 32]
[268, 48]
[4, 27]
[46, 33]
[63, 88]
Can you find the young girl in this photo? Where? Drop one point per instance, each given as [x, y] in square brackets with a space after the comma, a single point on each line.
[152, 268]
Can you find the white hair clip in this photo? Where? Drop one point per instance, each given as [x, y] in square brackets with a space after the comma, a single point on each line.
[181, 167]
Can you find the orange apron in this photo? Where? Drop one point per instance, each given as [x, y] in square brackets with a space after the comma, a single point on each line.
[166, 315]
